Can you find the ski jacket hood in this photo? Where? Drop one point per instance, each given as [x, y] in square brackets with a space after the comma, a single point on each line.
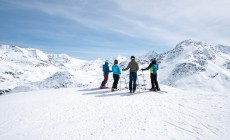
[106, 68]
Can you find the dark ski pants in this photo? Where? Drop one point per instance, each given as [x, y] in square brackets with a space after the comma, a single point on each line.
[132, 80]
[116, 79]
[154, 81]
[105, 79]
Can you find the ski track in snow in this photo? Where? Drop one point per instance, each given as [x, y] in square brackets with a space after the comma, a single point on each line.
[100, 114]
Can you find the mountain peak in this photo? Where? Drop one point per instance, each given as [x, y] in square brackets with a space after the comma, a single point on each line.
[223, 49]
[190, 42]
[10, 47]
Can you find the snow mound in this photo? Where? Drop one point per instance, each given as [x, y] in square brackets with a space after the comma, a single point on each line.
[58, 80]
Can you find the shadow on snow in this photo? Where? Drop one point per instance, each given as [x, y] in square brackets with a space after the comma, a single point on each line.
[108, 93]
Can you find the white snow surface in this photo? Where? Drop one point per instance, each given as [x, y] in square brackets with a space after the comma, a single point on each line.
[94, 114]
[54, 96]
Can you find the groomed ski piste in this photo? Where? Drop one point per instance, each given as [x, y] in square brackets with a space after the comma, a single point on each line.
[70, 114]
[56, 97]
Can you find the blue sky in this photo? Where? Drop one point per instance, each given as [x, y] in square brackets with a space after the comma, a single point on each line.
[90, 29]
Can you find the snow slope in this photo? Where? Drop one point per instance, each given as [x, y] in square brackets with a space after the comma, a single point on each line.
[90, 114]
[70, 105]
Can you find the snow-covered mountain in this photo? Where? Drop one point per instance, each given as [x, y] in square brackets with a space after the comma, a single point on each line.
[196, 65]
[193, 65]
[190, 64]
[29, 69]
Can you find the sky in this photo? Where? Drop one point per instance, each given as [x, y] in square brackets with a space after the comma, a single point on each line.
[90, 29]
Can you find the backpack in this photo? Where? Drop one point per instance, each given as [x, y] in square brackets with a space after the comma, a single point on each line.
[155, 68]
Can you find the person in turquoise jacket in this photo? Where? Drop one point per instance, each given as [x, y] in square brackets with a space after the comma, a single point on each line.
[116, 74]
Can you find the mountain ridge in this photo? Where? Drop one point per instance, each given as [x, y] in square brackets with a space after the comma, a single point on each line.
[25, 69]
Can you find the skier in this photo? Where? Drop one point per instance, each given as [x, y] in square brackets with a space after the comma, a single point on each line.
[133, 66]
[116, 74]
[153, 66]
[106, 74]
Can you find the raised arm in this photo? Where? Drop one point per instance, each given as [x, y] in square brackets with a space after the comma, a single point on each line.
[147, 67]
[126, 68]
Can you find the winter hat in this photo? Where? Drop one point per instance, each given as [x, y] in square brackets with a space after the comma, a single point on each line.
[132, 57]
[154, 60]
[115, 62]
[106, 62]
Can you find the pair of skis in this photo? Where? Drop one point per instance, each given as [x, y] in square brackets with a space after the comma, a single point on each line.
[138, 85]
[159, 91]
[114, 90]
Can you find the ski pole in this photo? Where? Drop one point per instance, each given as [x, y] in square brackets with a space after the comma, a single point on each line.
[120, 83]
[125, 81]
[143, 78]
[107, 82]
[138, 84]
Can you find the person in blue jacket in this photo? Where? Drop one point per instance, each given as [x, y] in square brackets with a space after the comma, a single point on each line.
[116, 74]
[106, 74]
[153, 66]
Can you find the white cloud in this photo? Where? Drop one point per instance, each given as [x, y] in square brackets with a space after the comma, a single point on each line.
[201, 19]
[168, 21]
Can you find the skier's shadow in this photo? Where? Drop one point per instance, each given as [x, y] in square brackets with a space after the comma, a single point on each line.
[89, 89]
[109, 94]
[95, 92]
[113, 94]
[103, 93]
